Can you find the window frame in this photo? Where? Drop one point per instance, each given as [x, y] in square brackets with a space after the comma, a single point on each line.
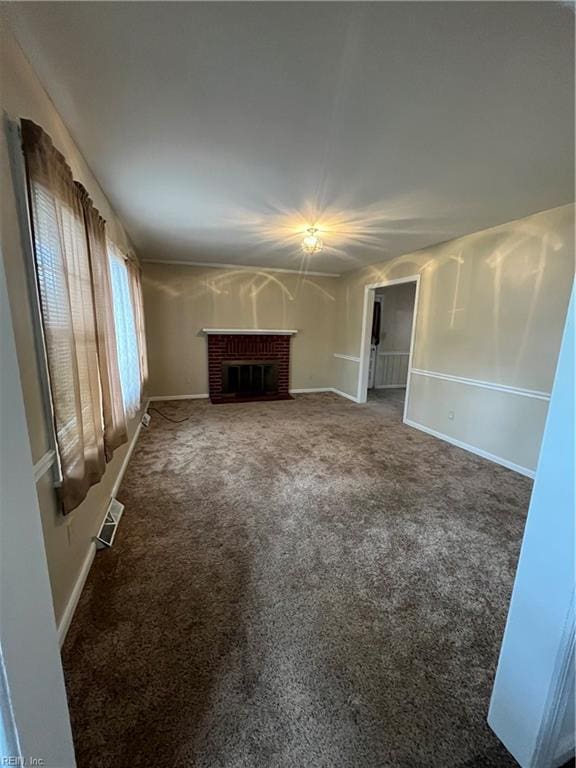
[51, 458]
[131, 408]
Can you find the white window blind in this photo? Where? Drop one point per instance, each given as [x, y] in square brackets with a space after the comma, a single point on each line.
[126, 334]
[65, 288]
[53, 289]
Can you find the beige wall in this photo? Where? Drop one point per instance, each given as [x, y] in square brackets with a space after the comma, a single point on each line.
[396, 318]
[67, 538]
[180, 300]
[492, 307]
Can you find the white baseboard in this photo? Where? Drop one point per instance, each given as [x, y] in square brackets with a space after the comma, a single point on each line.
[157, 398]
[389, 386]
[344, 394]
[478, 451]
[66, 619]
[127, 458]
[308, 391]
[311, 390]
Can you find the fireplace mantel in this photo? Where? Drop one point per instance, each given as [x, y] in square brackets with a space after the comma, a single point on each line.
[247, 332]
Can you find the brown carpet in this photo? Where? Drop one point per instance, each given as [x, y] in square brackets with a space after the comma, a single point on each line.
[300, 584]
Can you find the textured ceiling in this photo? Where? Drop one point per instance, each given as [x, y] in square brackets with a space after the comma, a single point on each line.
[220, 131]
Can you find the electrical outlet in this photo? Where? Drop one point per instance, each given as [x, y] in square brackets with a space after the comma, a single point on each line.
[451, 415]
[146, 418]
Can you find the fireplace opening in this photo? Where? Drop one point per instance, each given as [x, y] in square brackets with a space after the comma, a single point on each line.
[248, 366]
[249, 378]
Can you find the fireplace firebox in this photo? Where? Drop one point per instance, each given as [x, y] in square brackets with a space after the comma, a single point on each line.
[249, 378]
[248, 365]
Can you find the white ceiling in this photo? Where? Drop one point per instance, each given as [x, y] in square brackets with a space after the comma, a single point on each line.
[220, 131]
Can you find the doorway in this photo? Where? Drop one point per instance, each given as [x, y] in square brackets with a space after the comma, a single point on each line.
[388, 332]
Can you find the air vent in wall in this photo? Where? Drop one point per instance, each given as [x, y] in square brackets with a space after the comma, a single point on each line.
[107, 532]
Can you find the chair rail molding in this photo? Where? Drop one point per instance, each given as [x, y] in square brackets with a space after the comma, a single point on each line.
[351, 358]
[537, 394]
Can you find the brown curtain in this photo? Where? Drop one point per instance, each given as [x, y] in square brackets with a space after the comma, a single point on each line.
[137, 302]
[112, 406]
[68, 314]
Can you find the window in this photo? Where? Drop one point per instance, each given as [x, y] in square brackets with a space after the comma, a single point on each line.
[126, 332]
[59, 233]
[87, 294]
[66, 308]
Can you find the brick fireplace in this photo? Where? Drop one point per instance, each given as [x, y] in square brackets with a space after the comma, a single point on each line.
[248, 365]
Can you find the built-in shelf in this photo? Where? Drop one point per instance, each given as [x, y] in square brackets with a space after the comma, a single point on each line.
[248, 331]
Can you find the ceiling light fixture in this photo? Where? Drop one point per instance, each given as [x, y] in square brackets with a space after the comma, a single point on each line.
[312, 243]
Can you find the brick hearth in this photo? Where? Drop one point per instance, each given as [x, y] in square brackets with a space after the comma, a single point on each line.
[265, 347]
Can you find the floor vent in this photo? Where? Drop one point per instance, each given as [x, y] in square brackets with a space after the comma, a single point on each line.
[107, 532]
